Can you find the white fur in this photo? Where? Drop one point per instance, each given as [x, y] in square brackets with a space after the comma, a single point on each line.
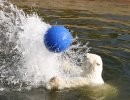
[92, 75]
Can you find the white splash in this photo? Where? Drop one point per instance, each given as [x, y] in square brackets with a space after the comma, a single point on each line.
[38, 65]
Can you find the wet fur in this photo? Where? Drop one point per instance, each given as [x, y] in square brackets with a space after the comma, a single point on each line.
[92, 75]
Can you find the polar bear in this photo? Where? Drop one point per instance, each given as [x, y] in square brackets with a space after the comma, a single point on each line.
[92, 75]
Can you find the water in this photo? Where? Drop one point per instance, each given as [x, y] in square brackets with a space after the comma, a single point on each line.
[21, 41]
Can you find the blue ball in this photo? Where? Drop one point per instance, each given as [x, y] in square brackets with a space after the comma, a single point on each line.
[57, 39]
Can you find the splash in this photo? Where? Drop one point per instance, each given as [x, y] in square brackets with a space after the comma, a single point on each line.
[24, 59]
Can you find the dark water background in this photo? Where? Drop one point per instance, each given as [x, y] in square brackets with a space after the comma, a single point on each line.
[109, 36]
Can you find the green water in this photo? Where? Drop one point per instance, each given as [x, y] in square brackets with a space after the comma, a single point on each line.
[108, 35]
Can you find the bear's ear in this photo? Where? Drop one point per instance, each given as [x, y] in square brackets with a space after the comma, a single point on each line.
[53, 79]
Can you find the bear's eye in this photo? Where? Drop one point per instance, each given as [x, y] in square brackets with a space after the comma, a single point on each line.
[98, 64]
